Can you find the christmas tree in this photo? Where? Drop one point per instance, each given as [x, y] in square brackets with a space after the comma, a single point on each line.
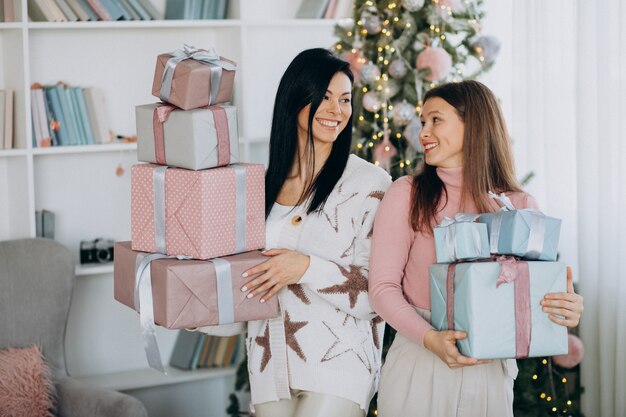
[398, 50]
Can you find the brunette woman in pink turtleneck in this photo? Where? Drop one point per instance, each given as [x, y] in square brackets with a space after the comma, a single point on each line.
[468, 153]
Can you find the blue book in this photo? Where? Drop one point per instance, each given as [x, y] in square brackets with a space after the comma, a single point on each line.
[87, 8]
[52, 96]
[143, 13]
[70, 114]
[175, 9]
[222, 7]
[114, 9]
[184, 350]
[83, 116]
[49, 117]
[206, 9]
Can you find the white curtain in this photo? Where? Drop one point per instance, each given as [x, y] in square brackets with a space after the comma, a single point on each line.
[601, 178]
[561, 76]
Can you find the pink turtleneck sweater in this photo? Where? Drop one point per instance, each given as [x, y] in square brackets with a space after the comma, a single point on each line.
[399, 275]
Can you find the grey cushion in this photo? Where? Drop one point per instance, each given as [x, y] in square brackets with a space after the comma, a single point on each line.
[36, 283]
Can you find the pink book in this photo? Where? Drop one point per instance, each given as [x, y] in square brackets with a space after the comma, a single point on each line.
[99, 9]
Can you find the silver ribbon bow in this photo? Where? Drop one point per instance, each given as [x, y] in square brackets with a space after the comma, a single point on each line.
[450, 233]
[537, 233]
[209, 57]
[145, 306]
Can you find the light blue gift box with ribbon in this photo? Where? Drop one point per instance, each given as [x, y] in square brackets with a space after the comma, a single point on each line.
[498, 305]
[461, 238]
[526, 233]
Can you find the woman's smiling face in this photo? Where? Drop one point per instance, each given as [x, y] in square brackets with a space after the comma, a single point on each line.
[442, 134]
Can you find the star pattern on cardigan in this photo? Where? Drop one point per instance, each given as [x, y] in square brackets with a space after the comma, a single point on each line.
[333, 218]
[377, 194]
[291, 328]
[348, 340]
[375, 322]
[355, 284]
[298, 291]
[264, 342]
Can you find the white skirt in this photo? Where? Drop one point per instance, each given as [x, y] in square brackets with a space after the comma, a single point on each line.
[414, 382]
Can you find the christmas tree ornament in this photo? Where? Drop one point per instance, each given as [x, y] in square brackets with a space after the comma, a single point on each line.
[412, 134]
[435, 59]
[119, 170]
[487, 47]
[356, 61]
[456, 6]
[371, 102]
[397, 68]
[384, 152]
[402, 113]
[389, 88]
[371, 22]
[412, 5]
[369, 73]
[575, 353]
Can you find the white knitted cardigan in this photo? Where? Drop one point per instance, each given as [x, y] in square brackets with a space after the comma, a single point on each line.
[328, 338]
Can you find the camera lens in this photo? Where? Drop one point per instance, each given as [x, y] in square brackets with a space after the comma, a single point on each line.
[103, 255]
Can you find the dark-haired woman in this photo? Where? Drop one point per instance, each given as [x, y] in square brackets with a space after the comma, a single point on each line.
[468, 153]
[321, 357]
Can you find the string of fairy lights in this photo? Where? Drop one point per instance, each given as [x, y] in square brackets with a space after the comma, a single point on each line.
[551, 396]
[384, 42]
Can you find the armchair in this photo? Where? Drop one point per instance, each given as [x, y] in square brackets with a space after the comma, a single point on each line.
[36, 284]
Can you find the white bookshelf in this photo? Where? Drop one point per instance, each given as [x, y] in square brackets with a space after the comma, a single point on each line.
[79, 184]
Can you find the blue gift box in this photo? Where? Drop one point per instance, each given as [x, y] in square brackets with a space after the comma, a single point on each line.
[461, 238]
[487, 312]
[529, 234]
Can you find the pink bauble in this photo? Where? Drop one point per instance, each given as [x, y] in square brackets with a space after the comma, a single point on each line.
[383, 152]
[437, 60]
[576, 351]
[356, 61]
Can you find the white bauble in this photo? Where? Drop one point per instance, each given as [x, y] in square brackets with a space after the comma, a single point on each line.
[371, 102]
[397, 68]
[369, 72]
[402, 113]
[412, 5]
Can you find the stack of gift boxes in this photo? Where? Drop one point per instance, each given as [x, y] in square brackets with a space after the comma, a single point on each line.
[493, 271]
[198, 216]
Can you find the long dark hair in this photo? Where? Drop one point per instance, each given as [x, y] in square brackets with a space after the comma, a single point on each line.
[487, 156]
[305, 82]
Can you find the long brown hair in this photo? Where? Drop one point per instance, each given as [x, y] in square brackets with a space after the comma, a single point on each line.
[487, 155]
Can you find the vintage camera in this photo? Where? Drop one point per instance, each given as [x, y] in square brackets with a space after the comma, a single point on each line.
[96, 251]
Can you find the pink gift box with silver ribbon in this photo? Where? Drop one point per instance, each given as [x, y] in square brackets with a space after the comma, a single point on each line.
[201, 214]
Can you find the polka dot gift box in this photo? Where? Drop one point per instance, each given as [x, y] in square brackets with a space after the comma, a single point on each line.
[201, 214]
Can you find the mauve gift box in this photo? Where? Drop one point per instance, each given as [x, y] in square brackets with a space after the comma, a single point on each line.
[202, 214]
[187, 139]
[191, 83]
[184, 292]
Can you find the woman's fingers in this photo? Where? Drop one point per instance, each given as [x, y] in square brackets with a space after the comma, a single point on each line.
[257, 270]
[258, 285]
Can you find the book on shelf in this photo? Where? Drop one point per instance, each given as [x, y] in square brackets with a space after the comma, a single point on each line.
[343, 9]
[6, 116]
[7, 11]
[67, 11]
[65, 115]
[196, 9]
[44, 223]
[78, 10]
[312, 9]
[185, 349]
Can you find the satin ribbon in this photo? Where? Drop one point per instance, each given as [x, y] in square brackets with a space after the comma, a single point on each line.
[145, 307]
[450, 233]
[159, 117]
[220, 120]
[144, 303]
[158, 187]
[511, 270]
[209, 57]
[536, 234]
